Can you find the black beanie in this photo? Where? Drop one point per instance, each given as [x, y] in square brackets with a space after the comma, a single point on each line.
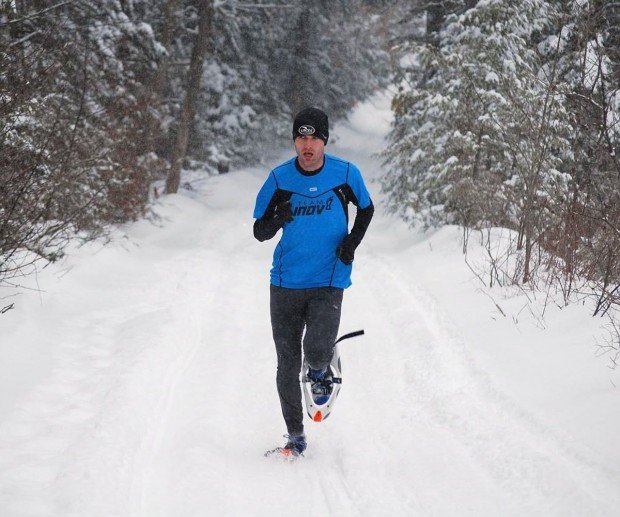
[311, 122]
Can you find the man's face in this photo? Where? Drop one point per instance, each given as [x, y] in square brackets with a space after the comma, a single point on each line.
[310, 151]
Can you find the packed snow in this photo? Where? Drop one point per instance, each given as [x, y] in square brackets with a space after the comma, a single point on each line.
[138, 378]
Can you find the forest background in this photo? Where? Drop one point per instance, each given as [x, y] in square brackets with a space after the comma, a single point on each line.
[505, 119]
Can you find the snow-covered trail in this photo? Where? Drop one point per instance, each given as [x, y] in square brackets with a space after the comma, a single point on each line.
[157, 396]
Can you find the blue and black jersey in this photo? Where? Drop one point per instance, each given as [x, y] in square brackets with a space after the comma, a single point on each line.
[305, 257]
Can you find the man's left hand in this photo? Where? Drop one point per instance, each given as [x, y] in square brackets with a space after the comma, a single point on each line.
[346, 251]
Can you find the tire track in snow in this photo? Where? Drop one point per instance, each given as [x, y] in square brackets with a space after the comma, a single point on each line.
[404, 457]
[534, 467]
[204, 447]
[154, 440]
[52, 442]
[81, 430]
[206, 436]
[202, 294]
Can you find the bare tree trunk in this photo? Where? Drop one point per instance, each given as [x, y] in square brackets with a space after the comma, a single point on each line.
[205, 28]
[154, 97]
[435, 16]
[298, 97]
[436, 13]
[528, 255]
[611, 16]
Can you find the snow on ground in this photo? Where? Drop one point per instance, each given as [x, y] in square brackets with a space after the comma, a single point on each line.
[141, 381]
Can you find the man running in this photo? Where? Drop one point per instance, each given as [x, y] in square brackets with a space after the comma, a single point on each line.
[308, 196]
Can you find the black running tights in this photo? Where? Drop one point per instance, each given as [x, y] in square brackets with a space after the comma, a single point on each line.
[316, 310]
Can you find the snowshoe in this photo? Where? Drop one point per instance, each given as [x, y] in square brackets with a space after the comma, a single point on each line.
[321, 389]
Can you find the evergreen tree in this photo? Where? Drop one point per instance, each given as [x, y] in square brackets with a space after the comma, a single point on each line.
[509, 115]
[476, 121]
[270, 60]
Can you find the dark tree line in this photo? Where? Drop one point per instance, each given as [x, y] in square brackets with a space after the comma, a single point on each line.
[508, 116]
[100, 99]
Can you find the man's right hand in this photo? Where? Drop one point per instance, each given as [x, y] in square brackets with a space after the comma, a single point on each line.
[265, 228]
[283, 213]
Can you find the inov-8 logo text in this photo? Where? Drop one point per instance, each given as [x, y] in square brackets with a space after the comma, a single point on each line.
[314, 207]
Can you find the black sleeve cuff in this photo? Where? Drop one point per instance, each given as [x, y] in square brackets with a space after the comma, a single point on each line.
[362, 221]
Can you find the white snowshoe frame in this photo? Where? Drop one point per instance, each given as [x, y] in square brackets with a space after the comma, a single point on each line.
[319, 412]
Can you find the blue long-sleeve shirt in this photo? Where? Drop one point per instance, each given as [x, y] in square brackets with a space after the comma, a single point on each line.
[305, 257]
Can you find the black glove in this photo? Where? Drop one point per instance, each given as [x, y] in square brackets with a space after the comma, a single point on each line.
[283, 214]
[266, 228]
[346, 250]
